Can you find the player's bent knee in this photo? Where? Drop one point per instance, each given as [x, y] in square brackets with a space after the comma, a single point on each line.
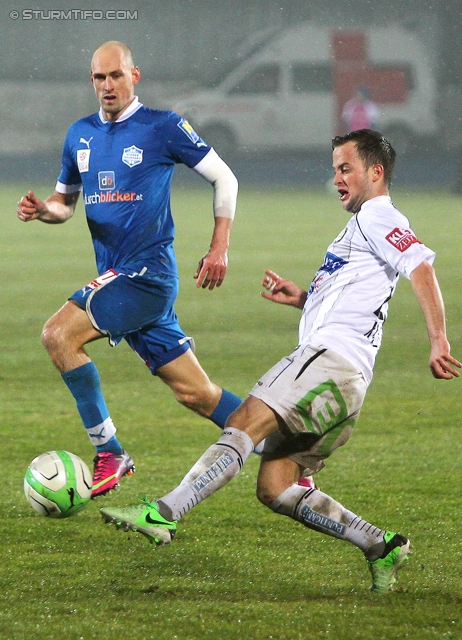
[50, 337]
[55, 339]
[265, 496]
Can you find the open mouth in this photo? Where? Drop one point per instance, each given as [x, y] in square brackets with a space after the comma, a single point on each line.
[110, 97]
[343, 194]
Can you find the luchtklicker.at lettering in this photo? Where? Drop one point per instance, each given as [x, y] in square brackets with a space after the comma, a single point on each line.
[112, 196]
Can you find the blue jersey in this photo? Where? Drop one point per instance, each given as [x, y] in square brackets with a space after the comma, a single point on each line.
[125, 169]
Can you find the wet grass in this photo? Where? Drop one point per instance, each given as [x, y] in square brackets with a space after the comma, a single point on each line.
[235, 570]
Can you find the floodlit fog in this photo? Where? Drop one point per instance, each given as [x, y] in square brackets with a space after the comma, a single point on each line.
[262, 80]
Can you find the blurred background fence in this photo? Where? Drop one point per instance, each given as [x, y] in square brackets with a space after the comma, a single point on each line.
[184, 45]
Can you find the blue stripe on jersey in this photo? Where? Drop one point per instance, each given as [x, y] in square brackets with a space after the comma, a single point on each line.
[330, 265]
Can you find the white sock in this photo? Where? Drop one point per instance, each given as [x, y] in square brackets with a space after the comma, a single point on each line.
[219, 464]
[316, 510]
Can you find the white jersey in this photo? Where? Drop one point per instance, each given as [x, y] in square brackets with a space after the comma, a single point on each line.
[347, 302]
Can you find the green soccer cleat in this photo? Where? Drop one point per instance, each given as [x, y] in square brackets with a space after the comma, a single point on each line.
[143, 518]
[384, 569]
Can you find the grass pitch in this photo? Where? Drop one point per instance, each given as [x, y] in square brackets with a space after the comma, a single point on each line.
[235, 570]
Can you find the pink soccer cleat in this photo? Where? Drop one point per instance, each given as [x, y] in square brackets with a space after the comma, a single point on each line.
[108, 469]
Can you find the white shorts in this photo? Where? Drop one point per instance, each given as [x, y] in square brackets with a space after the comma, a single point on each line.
[318, 394]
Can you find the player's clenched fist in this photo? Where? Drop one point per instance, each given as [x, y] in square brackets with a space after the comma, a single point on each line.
[30, 207]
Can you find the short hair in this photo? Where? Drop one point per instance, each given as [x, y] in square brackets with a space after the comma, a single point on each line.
[115, 44]
[373, 148]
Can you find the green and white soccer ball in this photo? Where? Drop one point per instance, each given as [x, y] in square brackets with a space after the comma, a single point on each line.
[57, 484]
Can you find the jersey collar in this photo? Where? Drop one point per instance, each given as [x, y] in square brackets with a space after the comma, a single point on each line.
[134, 106]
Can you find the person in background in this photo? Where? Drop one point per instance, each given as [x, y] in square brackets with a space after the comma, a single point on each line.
[360, 112]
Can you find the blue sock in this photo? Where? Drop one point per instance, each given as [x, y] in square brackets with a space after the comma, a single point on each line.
[112, 446]
[227, 404]
[84, 384]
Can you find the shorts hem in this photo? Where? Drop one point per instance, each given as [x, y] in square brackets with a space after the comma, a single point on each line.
[274, 406]
[171, 355]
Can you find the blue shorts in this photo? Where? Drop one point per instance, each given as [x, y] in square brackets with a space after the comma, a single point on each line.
[139, 309]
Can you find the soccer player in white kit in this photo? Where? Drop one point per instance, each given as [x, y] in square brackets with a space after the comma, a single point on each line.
[307, 405]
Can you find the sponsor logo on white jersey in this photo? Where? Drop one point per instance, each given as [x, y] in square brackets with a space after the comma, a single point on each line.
[132, 156]
[402, 239]
[330, 265]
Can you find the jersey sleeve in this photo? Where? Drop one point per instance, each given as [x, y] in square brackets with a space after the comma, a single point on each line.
[390, 236]
[183, 143]
[69, 179]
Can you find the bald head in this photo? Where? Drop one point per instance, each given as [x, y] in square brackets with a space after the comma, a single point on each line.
[113, 75]
[113, 48]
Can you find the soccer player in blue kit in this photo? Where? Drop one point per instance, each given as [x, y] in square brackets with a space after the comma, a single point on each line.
[123, 158]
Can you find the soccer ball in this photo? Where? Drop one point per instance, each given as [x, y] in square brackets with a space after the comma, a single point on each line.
[57, 484]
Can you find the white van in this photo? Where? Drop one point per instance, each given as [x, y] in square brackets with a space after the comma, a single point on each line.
[289, 94]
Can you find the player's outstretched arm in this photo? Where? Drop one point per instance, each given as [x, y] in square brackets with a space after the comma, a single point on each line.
[427, 291]
[282, 291]
[58, 208]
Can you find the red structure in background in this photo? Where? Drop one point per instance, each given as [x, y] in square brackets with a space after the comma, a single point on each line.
[352, 69]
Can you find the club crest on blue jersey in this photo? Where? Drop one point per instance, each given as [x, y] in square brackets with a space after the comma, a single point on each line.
[189, 131]
[106, 180]
[132, 156]
[330, 265]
